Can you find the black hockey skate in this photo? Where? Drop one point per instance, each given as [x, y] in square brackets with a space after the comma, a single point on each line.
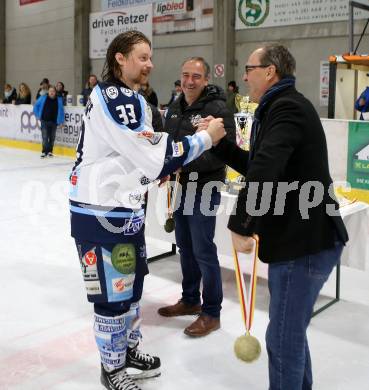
[117, 380]
[141, 365]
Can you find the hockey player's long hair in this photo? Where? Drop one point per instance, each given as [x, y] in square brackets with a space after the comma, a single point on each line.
[122, 43]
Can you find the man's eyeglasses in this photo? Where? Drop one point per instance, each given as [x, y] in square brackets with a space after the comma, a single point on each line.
[251, 67]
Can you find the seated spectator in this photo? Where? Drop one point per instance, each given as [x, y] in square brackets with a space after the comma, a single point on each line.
[86, 92]
[60, 91]
[232, 92]
[10, 94]
[49, 110]
[149, 94]
[44, 89]
[176, 92]
[24, 95]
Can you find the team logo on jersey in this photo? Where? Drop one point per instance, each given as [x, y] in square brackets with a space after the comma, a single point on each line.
[126, 91]
[134, 225]
[177, 149]
[144, 181]
[153, 138]
[195, 119]
[112, 92]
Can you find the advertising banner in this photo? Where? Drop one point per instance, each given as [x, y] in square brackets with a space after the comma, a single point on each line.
[324, 83]
[110, 4]
[272, 13]
[358, 155]
[182, 15]
[105, 26]
[20, 123]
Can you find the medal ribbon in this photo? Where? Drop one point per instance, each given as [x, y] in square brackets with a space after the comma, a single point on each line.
[247, 300]
[171, 200]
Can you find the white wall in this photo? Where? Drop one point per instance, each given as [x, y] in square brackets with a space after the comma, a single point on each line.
[39, 43]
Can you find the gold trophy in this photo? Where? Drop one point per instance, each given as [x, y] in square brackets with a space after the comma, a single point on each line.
[243, 104]
[243, 119]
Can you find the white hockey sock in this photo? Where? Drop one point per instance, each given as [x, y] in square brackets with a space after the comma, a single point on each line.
[133, 321]
[111, 340]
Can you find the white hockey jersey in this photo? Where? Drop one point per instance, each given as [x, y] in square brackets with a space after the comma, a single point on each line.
[118, 156]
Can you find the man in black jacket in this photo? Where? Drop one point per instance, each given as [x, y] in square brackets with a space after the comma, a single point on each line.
[296, 217]
[195, 217]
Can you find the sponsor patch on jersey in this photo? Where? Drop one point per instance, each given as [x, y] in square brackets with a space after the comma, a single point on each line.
[74, 178]
[93, 287]
[89, 107]
[123, 258]
[143, 251]
[112, 92]
[105, 96]
[177, 149]
[89, 265]
[153, 138]
[126, 91]
[122, 284]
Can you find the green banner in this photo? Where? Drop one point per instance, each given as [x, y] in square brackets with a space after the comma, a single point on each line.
[358, 155]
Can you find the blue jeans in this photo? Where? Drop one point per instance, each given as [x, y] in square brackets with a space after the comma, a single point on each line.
[198, 253]
[294, 288]
[48, 131]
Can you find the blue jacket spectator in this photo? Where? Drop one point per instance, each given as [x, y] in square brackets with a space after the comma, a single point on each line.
[40, 104]
[49, 110]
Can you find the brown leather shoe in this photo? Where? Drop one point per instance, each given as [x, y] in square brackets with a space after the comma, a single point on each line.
[202, 326]
[179, 309]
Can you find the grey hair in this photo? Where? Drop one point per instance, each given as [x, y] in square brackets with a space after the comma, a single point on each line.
[204, 63]
[279, 56]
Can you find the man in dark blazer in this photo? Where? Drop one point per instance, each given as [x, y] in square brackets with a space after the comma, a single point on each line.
[288, 200]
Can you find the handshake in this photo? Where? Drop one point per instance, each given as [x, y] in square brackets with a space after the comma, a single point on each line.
[214, 126]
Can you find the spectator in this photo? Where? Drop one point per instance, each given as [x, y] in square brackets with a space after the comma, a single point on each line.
[176, 92]
[60, 91]
[232, 92]
[86, 92]
[149, 94]
[24, 95]
[10, 94]
[195, 224]
[43, 90]
[50, 110]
